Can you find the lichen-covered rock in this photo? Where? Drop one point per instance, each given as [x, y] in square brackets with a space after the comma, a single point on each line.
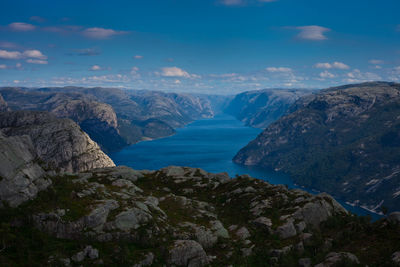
[334, 258]
[187, 253]
[286, 230]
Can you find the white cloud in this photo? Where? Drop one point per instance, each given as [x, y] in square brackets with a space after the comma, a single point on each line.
[34, 54]
[37, 61]
[95, 68]
[279, 69]
[101, 33]
[138, 57]
[177, 72]
[334, 65]
[3, 66]
[326, 74]
[4, 54]
[21, 27]
[376, 61]
[312, 32]
[177, 81]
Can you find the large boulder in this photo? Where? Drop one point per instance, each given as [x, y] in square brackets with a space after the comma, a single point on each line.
[187, 253]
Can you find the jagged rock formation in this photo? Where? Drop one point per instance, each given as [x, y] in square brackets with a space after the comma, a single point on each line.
[59, 143]
[97, 119]
[342, 140]
[21, 174]
[32, 143]
[262, 107]
[112, 117]
[188, 217]
[3, 104]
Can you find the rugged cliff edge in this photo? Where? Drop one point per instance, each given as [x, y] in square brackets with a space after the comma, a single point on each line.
[342, 140]
[262, 107]
[33, 143]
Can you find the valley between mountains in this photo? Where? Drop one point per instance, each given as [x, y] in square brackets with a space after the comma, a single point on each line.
[65, 203]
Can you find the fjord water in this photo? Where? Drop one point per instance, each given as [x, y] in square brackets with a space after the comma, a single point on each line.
[209, 144]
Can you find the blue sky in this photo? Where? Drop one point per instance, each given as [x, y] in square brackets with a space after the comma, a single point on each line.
[203, 46]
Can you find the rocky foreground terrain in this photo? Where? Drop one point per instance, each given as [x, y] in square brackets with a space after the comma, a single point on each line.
[187, 217]
[343, 140]
[64, 203]
[262, 107]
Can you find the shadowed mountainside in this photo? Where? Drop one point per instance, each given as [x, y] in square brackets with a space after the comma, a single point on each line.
[112, 117]
[343, 140]
[262, 107]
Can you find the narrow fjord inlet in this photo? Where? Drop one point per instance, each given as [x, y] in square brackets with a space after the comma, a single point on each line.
[209, 144]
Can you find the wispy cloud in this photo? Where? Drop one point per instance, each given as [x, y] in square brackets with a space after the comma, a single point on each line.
[101, 33]
[177, 72]
[279, 69]
[8, 45]
[95, 68]
[334, 65]
[138, 57]
[87, 52]
[4, 54]
[326, 74]
[312, 32]
[376, 61]
[31, 56]
[37, 61]
[21, 27]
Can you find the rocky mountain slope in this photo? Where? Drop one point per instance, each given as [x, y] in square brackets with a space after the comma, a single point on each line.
[177, 216]
[262, 107]
[33, 143]
[342, 140]
[97, 119]
[114, 117]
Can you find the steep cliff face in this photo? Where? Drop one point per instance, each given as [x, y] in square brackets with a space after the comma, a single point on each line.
[3, 104]
[60, 143]
[22, 175]
[260, 108]
[341, 140]
[97, 119]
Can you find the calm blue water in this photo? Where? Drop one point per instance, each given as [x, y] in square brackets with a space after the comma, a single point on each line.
[209, 144]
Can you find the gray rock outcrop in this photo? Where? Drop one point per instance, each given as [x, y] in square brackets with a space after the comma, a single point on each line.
[59, 143]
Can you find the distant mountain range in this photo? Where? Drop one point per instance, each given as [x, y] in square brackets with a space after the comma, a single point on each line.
[343, 140]
[262, 107]
[112, 117]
